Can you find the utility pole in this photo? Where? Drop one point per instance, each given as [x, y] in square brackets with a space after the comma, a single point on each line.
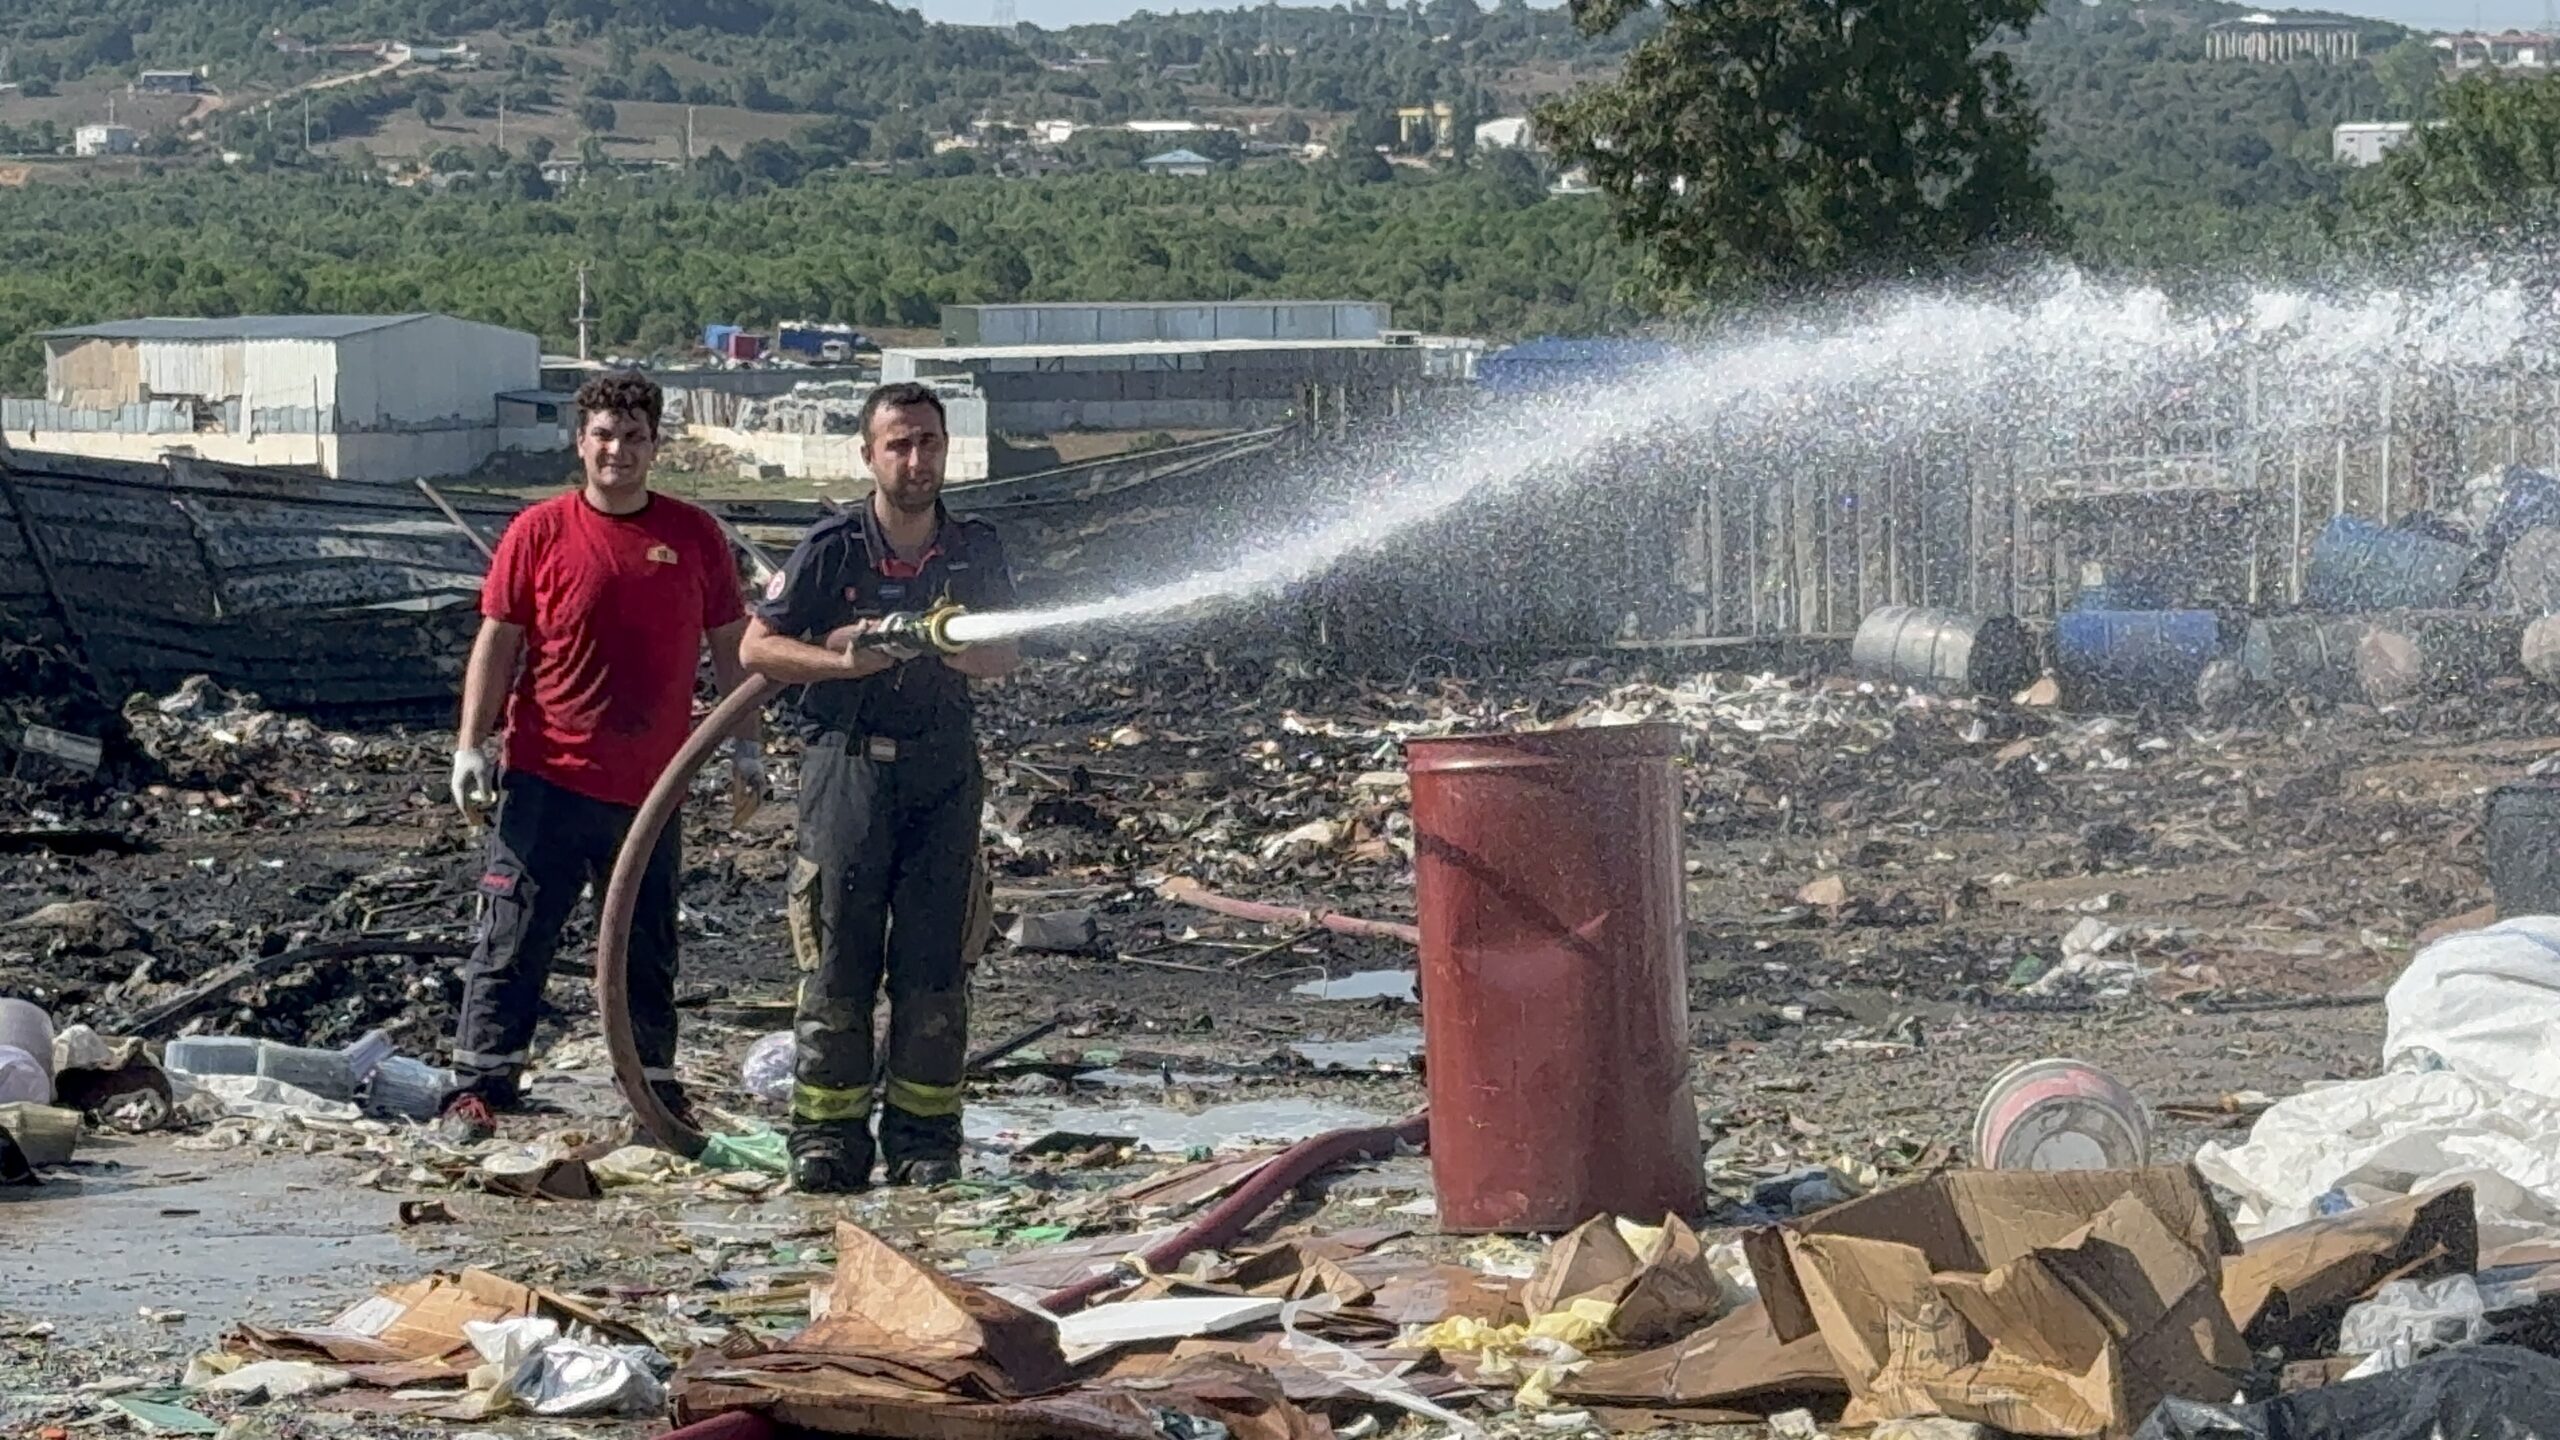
[502, 122]
[688, 137]
[582, 314]
[306, 122]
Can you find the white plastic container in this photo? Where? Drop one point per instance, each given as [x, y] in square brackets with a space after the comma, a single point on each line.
[22, 1080]
[211, 1055]
[406, 1089]
[325, 1073]
[2060, 1114]
[368, 1053]
[25, 1026]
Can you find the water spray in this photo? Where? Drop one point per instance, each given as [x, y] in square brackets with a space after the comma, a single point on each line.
[2058, 358]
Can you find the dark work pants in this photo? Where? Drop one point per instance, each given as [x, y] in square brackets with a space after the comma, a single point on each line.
[548, 844]
[889, 884]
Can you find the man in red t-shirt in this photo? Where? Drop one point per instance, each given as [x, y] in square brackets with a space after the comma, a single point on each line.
[605, 595]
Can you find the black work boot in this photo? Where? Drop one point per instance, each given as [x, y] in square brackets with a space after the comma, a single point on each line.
[830, 1157]
[678, 1103]
[923, 1152]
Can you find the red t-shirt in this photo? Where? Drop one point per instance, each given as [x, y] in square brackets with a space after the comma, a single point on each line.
[614, 608]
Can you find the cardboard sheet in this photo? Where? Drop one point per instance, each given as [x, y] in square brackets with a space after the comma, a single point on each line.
[2059, 1304]
[1658, 1299]
[412, 1334]
[2290, 1289]
[883, 1303]
[1735, 1366]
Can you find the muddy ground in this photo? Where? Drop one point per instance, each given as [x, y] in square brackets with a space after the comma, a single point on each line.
[1878, 886]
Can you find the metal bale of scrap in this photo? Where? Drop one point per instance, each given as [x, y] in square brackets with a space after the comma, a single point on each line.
[2380, 659]
[1943, 650]
[308, 591]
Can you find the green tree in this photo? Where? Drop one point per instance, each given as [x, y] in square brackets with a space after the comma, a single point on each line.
[2410, 75]
[1784, 143]
[1371, 127]
[597, 117]
[430, 106]
[2492, 164]
[656, 83]
[1364, 166]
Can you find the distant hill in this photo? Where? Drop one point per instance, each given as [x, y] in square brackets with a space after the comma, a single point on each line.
[2158, 153]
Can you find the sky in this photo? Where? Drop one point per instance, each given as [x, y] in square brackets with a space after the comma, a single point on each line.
[2426, 14]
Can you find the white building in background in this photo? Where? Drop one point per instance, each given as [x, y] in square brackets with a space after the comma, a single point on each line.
[1186, 164]
[2272, 40]
[94, 140]
[2366, 142]
[1511, 132]
[2506, 50]
[359, 397]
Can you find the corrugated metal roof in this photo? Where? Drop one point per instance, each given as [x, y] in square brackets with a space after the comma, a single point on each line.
[1169, 305]
[1549, 361]
[962, 354]
[238, 327]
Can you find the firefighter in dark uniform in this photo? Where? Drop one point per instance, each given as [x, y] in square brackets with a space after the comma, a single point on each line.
[889, 882]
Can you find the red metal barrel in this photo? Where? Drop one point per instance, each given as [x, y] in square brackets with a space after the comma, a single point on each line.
[1554, 976]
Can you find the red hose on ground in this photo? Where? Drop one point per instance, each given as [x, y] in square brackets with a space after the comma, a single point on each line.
[735, 1425]
[1188, 892]
[622, 896]
[1224, 1221]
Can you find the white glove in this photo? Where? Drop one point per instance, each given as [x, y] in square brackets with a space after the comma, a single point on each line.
[747, 784]
[475, 782]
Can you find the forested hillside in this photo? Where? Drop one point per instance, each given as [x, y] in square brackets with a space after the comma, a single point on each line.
[2160, 159]
[1473, 252]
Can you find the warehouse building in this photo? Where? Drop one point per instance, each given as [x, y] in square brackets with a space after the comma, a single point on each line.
[1167, 384]
[357, 397]
[1123, 324]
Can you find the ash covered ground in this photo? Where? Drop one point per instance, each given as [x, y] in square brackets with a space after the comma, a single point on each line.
[1890, 899]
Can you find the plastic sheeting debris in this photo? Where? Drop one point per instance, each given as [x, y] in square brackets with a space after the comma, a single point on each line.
[767, 1072]
[2472, 1096]
[2488, 1392]
[765, 1151]
[279, 1380]
[535, 1368]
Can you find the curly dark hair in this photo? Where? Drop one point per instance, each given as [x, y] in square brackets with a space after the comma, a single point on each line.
[622, 392]
[899, 397]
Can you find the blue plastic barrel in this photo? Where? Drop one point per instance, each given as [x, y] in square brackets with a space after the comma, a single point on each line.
[2357, 565]
[2133, 657]
[2121, 595]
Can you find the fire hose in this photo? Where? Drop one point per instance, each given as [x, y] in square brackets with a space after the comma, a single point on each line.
[1214, 1229]
[928, 631]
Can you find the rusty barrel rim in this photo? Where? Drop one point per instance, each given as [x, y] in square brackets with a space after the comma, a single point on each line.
[1572, 745]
